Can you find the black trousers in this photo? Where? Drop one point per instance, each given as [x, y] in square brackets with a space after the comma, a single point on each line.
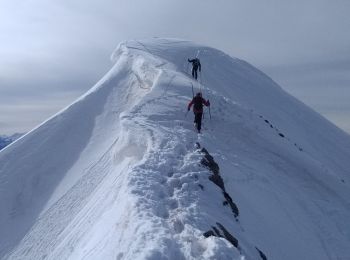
[194, 72]
[198, 120]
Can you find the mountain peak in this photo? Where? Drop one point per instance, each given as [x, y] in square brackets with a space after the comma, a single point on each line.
[122, 174]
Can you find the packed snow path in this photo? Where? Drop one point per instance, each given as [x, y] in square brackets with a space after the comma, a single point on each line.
[118, 174]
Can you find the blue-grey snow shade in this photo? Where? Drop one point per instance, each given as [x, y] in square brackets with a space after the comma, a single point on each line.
[53, 51]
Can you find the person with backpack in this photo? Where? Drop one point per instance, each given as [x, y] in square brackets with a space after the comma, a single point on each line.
[198, 103]
[196, 64]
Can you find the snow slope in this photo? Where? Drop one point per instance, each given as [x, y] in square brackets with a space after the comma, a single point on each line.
[119, 174]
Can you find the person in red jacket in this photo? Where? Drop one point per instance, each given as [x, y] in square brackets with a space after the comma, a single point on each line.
[198, 103]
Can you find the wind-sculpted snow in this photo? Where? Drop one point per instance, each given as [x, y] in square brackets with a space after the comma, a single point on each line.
[119, 174]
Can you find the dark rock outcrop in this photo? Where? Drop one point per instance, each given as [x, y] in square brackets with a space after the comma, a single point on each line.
[233, 205]
[224, 233]
[219, 230]
[209, 233]
[262, 255]
[228, 235]
[209, 162]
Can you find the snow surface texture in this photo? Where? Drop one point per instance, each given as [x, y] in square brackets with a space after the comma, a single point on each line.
[121, 173]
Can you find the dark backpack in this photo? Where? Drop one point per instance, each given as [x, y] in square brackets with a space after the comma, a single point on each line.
[198, 103]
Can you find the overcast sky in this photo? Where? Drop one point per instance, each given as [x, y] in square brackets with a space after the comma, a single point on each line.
[53, 51]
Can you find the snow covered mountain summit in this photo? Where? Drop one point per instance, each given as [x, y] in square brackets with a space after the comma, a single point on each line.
[121, 173]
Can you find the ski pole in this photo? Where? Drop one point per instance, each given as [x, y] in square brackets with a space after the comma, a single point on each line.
[192, 90]
[188, 64]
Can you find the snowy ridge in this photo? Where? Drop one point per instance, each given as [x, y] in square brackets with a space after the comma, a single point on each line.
[119, 174]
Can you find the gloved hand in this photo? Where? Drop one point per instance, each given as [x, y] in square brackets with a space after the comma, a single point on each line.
[188, 109]
[208, 103]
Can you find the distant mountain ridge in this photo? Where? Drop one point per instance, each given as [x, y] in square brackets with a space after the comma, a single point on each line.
[6, 140]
